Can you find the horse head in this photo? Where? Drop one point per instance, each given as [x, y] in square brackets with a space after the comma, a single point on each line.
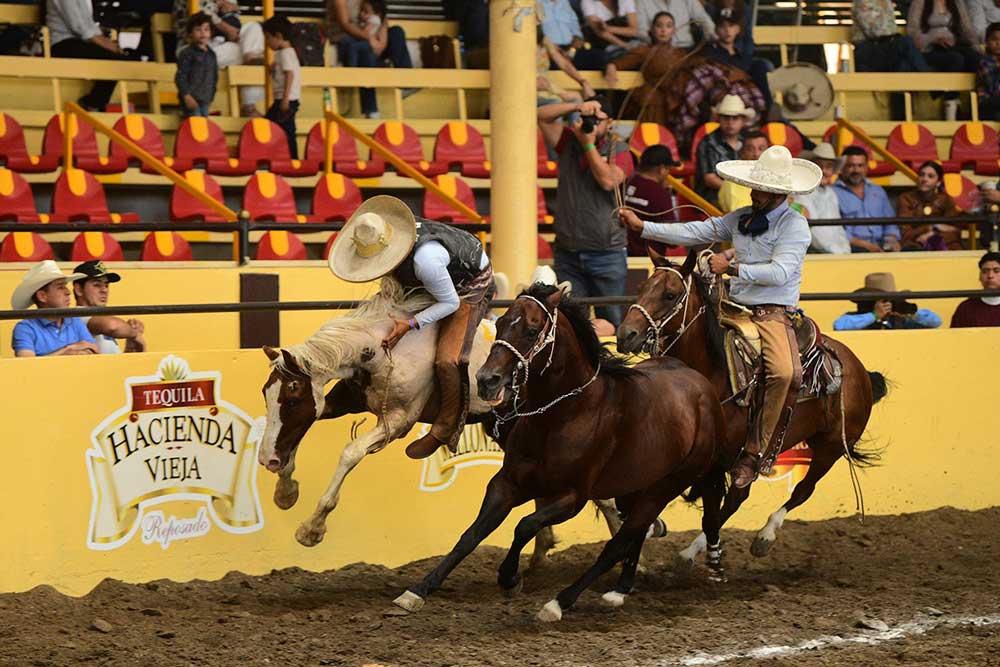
[293, 400]
[659, 309]
[524, 331]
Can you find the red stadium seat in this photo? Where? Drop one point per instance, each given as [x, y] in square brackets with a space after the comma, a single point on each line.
[16, 201]
[988, 167]
[145, 134]
[281, 245]
[458, 144]
[782, 134]
[653, 134]
[971, 143]
[345, 153]
[329, 245]
[96, 245]
[185, 207]
[166, 247]
[543, 209]
[841, 138]
[269, 197]
[202, 141]
[335, 198]
[86, 155]
[544, 248]
[25, 247]
[264, 143]
[912, 143]
[14, 152]
[962, 190]
[436, 209]
[404, 141]
[80, 196]
[691, 166]
[546, 168]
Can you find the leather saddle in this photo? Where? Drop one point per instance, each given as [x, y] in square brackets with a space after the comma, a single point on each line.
[821, 370]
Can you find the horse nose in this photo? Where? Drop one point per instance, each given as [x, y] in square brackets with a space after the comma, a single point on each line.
[487, 381]
[626, 339]
[274, 464]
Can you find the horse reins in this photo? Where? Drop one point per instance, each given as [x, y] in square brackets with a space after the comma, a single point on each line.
[655, 330]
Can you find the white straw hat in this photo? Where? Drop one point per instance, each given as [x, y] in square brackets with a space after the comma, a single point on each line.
[774, 171]
[376, 239]
[732, 105]
[823, 151]
[36, 278]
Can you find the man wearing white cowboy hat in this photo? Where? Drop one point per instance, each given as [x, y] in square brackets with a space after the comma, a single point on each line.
[45, 286]
[383, 237]
[822, 203]
[721, 145]
[770, 240]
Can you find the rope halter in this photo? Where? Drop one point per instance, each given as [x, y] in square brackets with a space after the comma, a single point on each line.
[654, 333]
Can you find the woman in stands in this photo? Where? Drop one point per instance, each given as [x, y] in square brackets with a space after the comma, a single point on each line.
[942, 31]
[74, 34]
[678, 88]
[927, 200]
[611, 24]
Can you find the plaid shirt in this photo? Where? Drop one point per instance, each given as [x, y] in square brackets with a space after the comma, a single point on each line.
[988, 77]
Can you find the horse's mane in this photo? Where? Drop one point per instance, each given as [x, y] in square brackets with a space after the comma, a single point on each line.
[595, 351]
[716, 333]
[341, 338]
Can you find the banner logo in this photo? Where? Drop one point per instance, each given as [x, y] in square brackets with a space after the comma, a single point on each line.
[791, 464]
[174, 439]
[474, 449]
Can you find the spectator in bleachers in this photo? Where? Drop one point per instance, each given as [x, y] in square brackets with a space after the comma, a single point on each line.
[729, 49]
[983, 311]
[988, 76]
[589, 248]
[92, 290]
[74, 34]
[610, 24]
[733, 195]
[721, 145]
[286, 77]
[45, 286]
[982, 13]
[341, 15]
[685, 12]
[878, 46]
[860, 198]
[943, 33]
[929, 199]
[876, 313]
[822, 204]
[546, 54]
[233, 42]
[649, 194]
[197, 68]
[473, 18]
[562, 27]
[355, 52]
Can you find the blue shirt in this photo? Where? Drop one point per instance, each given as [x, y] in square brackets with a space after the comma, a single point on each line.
[770, 264]
[43, 336]
[874, 205]
[561, 24]
[922, 319]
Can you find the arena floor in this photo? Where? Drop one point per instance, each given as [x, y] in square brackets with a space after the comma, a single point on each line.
[933, 578]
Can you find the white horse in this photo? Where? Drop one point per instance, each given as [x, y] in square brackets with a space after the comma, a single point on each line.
[399, 388]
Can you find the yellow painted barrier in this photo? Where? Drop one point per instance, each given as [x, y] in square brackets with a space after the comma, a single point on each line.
[88, 497]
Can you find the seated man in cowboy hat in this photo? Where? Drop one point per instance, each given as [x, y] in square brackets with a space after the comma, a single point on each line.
[720, 145]
[46, 287]
[770, 240]
[92, 290]
[382, 238]
[881, 313]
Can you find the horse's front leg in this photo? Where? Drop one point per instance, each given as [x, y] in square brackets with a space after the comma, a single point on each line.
[312, 530]
[561, 508]
[286, 491]
[501, 497]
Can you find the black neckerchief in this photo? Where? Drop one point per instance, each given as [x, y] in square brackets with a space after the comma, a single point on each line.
[753, 223]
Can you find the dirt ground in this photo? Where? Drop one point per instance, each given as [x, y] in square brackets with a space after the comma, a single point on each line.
[817, 581]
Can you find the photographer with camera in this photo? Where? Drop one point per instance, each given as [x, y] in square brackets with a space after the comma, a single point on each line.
[876, 313]
[589, 249]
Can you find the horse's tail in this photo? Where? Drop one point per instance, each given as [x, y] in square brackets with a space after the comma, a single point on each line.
[880, 386]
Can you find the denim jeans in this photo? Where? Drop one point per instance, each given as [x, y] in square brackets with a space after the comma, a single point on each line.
[287, 122]
[202, 110]
[594, 273]
[354, 52]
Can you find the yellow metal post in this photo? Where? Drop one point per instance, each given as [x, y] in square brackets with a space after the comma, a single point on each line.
[68, 120]
[871, 143]
[513, 130]
[194, 6]
[328, 143]
[268, 12]
[692, 196]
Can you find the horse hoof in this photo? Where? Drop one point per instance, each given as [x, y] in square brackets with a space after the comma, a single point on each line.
[683, 566]
[538, 563]
[310, 537]
[761, 546]
[550, 612]
[286, 498]
[614, 598]
[717, 577]
[409, 601]
[515, 588]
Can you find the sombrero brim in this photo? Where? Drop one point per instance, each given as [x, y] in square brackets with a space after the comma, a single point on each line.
[348, 265]
[21, 299]
[747, 113]
[804, 178]
[838, 162]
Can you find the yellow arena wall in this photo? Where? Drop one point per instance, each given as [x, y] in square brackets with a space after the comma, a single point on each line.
[68, 513]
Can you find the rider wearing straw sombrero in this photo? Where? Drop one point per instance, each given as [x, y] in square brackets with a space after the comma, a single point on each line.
[383, 238]
[769, 240]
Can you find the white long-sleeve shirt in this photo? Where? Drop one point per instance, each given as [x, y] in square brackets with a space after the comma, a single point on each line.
[684, 12]
[430, 265]
[70, 18]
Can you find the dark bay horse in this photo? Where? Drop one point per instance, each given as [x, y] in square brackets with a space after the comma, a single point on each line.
[685, 325]
[587, 427]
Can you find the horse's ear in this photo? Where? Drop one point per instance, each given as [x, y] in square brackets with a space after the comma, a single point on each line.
[689, 263]
[271, 353]
[290, 362]
[658, 259]
[554, 298]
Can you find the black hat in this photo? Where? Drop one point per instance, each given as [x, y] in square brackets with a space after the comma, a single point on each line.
[95, 269]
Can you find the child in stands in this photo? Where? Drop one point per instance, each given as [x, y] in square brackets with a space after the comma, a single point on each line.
[371, 18]
[988, 78]
[197, 68]
[286, 77]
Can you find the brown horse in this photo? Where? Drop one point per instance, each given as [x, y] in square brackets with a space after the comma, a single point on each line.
[679, 319]
[587, 427]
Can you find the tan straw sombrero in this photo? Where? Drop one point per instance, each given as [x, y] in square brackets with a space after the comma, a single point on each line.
[774, 171]
[374, 241]
[36, 278]
[732, 105]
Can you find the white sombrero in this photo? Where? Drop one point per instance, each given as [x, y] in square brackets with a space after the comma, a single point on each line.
[774, 171]
[36, 278]
[732, 105]
[823, 151]
[374, 241]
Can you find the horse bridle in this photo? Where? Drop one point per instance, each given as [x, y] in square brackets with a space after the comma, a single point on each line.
[655, 331]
